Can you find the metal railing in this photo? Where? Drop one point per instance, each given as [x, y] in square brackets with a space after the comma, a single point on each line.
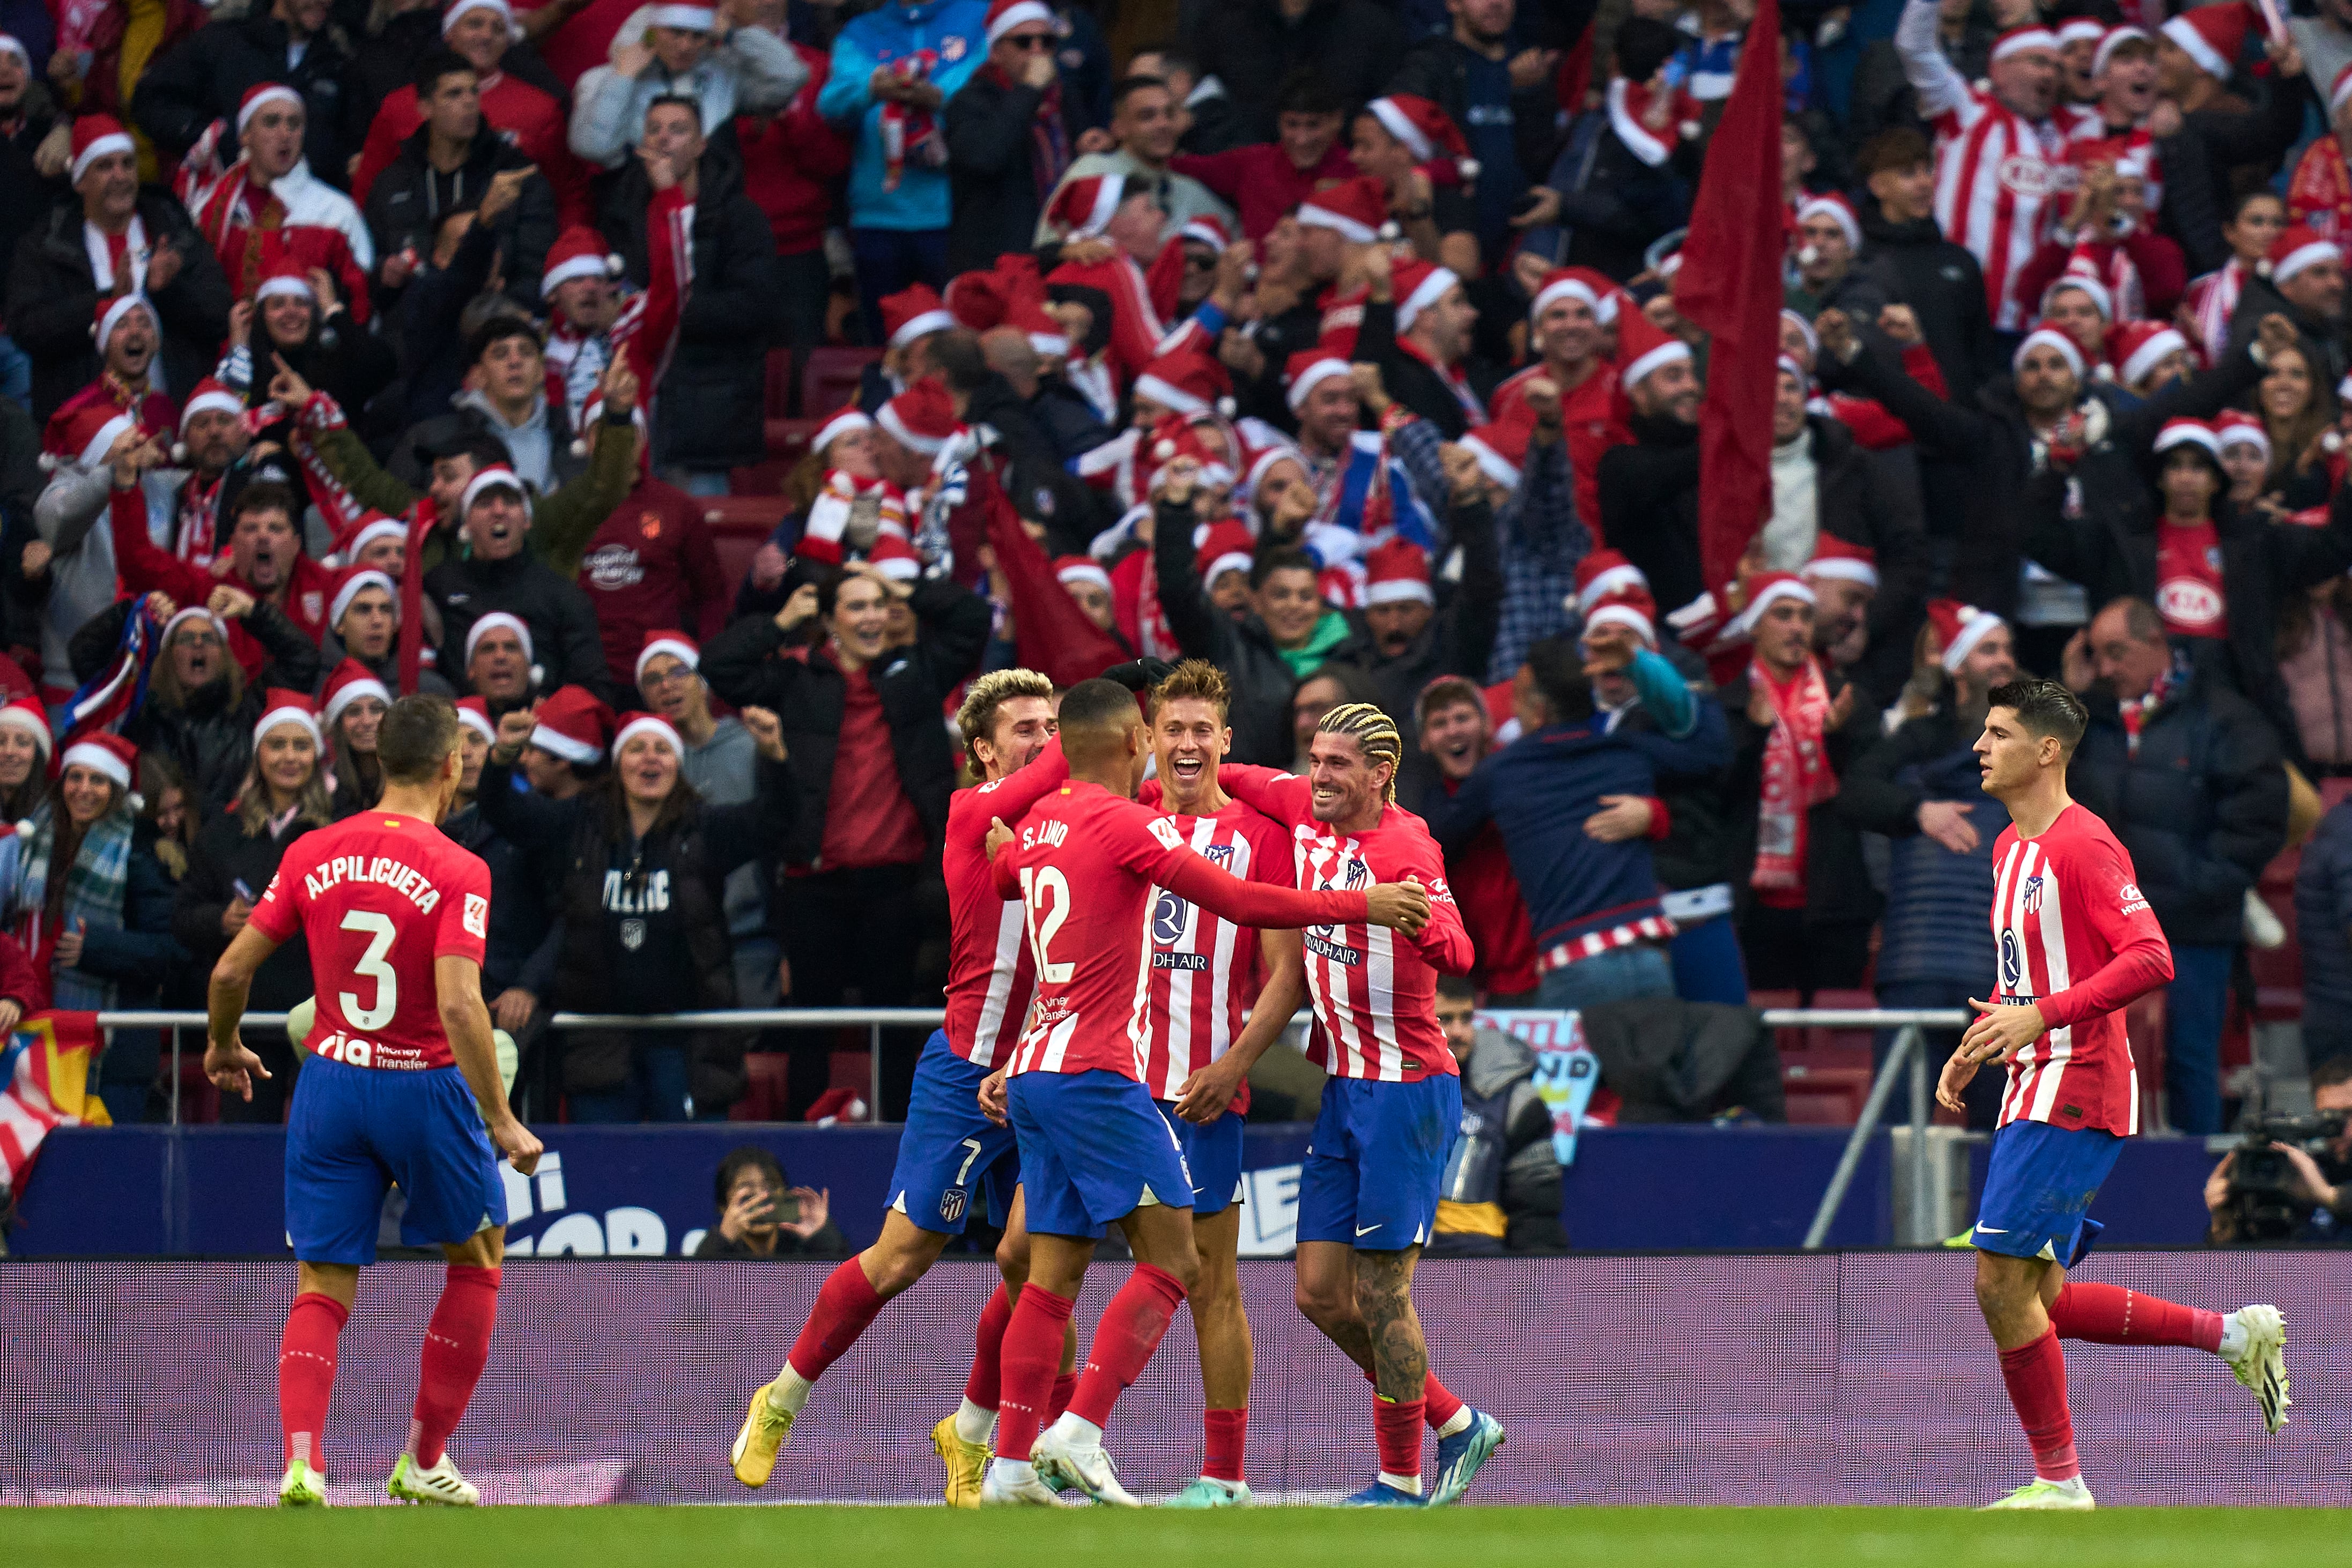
[1908, 1058]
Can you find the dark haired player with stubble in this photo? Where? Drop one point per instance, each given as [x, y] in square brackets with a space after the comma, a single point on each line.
[403, 1085]
[2077, 943]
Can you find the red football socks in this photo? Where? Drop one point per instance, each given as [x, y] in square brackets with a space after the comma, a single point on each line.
[988, 1351]
[1439, 1401]
[2036, 1375]
[1226, 1431]
[1397, 1424]
[305, 1374]
[1130, 1331]
[844, 1307]
[456, 1348]
[1065, 1386]
[2111, 1315]
[1031, 1354]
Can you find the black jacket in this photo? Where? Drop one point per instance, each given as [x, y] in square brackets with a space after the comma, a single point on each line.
[1438, 68]
[1695, 851]
[1993, 439]
[576, 840]
[522, 947]
[709, 414]
[224, 856]
[1837, 884]
[565, 642]
[992, 181]
[1614, 203]
[205, 76]
[2323, 341]
[1249, 46]
[1261, 679]
[410, 197]
[748, 664]
[1872, 498]
[25, 196]
[1944, 285]
[1035, 479]
[2109, 546]
[1409, 381]
[1649, 506]
[2200, 807]
[53, 301]
[1935, 926]
[207, 738]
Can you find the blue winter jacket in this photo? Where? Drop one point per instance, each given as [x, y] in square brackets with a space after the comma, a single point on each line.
[953, 30]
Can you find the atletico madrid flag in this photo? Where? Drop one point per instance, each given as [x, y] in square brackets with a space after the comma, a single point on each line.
[1729, 287]
[45, 1065]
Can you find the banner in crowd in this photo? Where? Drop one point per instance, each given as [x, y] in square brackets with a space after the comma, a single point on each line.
[45, 1084]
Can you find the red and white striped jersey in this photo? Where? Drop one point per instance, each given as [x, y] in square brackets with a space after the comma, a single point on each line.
[2074, 936]
[1998, 179]
[1375, 990]
[1086, 863]
[1206, 971]
[991, 976]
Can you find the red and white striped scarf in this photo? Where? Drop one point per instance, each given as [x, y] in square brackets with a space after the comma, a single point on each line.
[1797, 773]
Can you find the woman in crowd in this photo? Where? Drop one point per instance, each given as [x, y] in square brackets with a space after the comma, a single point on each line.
[641, 862]
[2296, 410]
[24, 758]
[354, 708]
[295, 317]
[237, 853]
[762, 1215]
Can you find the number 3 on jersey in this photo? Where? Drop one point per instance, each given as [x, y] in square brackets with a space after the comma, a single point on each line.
[1047, 894]
[371, 964]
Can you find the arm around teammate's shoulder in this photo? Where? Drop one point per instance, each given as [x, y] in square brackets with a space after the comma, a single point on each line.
[1280, 795]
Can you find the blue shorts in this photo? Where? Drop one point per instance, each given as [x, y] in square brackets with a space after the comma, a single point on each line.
[948, 1147]
[1093, 1148]
[2038, 1190]
[355, 1132]
[1212, 1154]
[1377, 1162]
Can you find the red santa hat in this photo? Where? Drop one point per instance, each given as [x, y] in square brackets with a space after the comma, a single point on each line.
[1643, 346]
[194, 613]
[285, 278]
[1602, 573]
[83, 434]
[1631, 609]
[112, 311]
[977, 300]
[2044, 335]
[1069, 569]
[280, 706]
[1003, 16]
[259, 94]
[27, 713]
[459, 7]
[2186, 432]
[210, 397]
[1227, 547]
[573, 723]
[2110, 41]
[497, 620]
[1839, 558]
[677, 644]
[922, 418]
[1763, 589]
[1208, 230]
[474, 713]
[913, 312]
[2080, 31]
[1306, 369]
[2236, 427]
[2088, 283]
[1428, 132]
[351, 681]
[654, 724]
[2213, 36]
[2136, 348]
[2019, 40]
[1263, 458]
[95, 136]
[1397, 572]
[348, 586]
[1186, 382]
[895, 558]
[1354, 209]
[1501, 449]
[497, 477]
[850, 419]
[1958, 628]
[105, 753]
[372, 526]
[578, 252]
[1563, 283]
[1086, 205]
[1417, 286]
[1838, 210]
[1183, 435]
[2300, 246]
[1027, 313]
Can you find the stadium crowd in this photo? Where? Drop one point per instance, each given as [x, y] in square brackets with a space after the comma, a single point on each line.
[360, 350]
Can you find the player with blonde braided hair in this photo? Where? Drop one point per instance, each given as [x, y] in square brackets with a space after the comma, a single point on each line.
[1368, 1194]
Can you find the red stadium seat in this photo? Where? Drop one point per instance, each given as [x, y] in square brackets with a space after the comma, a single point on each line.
[778, 394]
[789, 439]
[830, 378]
[1825, 1095]
[739, 525]
[764, 1093]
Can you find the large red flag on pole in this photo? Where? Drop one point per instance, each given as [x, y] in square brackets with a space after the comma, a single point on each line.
[1729, 287]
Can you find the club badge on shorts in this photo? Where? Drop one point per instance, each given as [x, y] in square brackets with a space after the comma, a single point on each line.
[951, 1204]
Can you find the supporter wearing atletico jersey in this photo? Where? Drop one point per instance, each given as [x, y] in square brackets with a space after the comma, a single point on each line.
[1368, 1195]
[948, 1152]
[403, 1087]
[1094, 1149]
[2076, 942]
[1566, 325]
[2188, 591]
[1219, 996]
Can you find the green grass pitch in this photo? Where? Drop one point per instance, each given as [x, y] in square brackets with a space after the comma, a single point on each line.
[1258, 1538]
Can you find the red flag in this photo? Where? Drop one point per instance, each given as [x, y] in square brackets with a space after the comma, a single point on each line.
[44, 1066]
[1729, 287]
[1050, 634]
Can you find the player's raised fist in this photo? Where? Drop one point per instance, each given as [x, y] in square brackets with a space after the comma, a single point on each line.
[1400, 906]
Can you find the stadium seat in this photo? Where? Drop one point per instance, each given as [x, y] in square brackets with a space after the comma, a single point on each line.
[761, 478]
[1823, 1095]
[830, 378]
[739, 525]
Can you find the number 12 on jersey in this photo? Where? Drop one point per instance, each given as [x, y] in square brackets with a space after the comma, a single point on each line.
[1048, 895]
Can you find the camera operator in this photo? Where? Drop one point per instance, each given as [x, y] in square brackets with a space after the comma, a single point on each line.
[2291, 1180]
